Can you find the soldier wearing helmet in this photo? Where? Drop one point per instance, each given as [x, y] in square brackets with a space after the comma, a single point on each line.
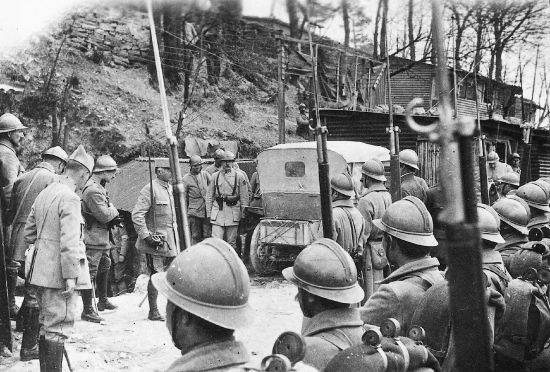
[202, 315]
[508, 182]
[516, 163]
[326, 278]
[536, 195]
[372, 205]
[514, 216]
[195, 187]
[155, 223]
[496, 169]
[216, 166]
[11, 136]
[58, 267]
[411, 184]
[99, 214]
[24, 192]
[407, 238]
[348, 223]
[227, 196]
[302, 122]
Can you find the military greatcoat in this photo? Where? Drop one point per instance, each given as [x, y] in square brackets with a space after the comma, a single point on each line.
[215, 357]
[349, 226]
[195, 188]
[98, 212]
[372, 206]
[512, 245]
[224, 184]
[25, 190]
[414, 186]
[10, 168]
[165, 214]
[401, 292]
[330, 332]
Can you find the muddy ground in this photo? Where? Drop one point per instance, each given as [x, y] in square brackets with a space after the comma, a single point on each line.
[130, 342]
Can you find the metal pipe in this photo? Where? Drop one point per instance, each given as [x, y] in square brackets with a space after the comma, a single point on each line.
[395, 166]
[177, 182]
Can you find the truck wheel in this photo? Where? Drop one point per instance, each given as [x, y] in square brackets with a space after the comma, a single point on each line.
[258, 255]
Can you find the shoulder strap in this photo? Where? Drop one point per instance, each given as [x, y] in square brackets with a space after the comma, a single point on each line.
[336, 337]
[353, 230]
[218, 184]
[24, 196]
[234, 184]
[418, 280]
[39, 229]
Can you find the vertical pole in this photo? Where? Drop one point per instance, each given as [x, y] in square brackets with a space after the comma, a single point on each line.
[482, 159]
[338, 78]
[395, 167]
[5, 323]
[355, 84]
[281, 113]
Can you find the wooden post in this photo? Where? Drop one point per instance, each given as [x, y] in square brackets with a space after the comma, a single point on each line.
[338, 78]
[281, 87]
[355, 84]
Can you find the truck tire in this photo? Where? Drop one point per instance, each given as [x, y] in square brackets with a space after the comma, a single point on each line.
[258, 257]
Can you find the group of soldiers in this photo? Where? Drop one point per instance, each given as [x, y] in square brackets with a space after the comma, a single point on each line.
[368, 297]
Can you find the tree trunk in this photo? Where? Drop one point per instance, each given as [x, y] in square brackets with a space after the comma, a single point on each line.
[410, 27]
[293, 20]
[55, 126]
[479, 42]
[343, 56]
[458, 38]
[383, 29]
[376, 26]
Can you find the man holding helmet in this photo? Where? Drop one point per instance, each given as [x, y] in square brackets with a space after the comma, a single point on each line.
[411, 184]
[202, 315]
[99, 215]
[227, 195]
[154, 218]
[326, 278]
[407, 238]
[195, 187]
[24, 192]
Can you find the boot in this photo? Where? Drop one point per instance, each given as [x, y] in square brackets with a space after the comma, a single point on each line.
[88, 312]
[42, 353]
[29, 343]
[22, 316]
[54, 356]
[152, 294]
[103, 303]
[11, 281]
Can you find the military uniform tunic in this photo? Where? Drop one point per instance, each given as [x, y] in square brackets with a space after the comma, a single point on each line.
[330, 332]
[215, 357]
[348, 226]
[401, 292]
[10, 168]
[165, 213]
[24, 192]
[414, 186]
[513, 244]
[195, 187]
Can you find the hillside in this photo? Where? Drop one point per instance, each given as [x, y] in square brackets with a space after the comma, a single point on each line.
[111, 99]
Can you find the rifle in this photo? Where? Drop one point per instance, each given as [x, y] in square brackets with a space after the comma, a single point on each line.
[466, 286]
[177, 181]
[322, 152]
[395, 166]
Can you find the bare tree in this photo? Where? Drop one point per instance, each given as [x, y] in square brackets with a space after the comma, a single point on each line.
[384, 29]
[410, 28]
[376, 28]
[461, 12]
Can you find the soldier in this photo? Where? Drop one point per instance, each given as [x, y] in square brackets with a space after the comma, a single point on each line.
[25, 190]
[203, 314]
[536, 196]
[411, 184]
[58, 267]
[216, 166]
[302, 122]
[195, 188]
[326, 278]
[508, 183]
[100, 215]
[516, 163]
[227, 195]
[11, 136]
[514, 216]
[159, 243]
[496, 169]
[372, 205]
[348, 223]
[407, 238]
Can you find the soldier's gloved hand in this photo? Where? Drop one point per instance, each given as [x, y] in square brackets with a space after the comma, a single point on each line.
[117, 221]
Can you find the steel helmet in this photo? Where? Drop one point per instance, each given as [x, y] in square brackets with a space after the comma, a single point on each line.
[302, 106]
[218, 154]
[530, 256]
[408, 219]
[195, 160]
[515, 155]
[488, 222]
[544, 185]
[535, 195]
[210, 281]
[57, 152]
[409, 157]
[228, 156]
[511, 178]
[9, 123]
[492, 157]
[326, 270]
[513, 213]
[545, 179]
[105, 163]
[80, 156]
[343, 184]
[374, 169]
